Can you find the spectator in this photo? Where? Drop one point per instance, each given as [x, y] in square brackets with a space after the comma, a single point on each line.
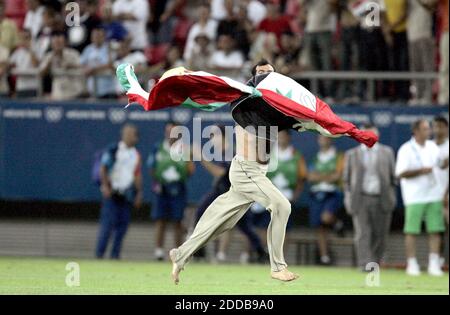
[80, 36]
[440, 132]
[124, 55]
[234, 27]
[98, 65]
[41, 44]
[293, 9]
[218, 9]
[372, 42]
[288, 60]
[201, 54]
[421, 48]
[121, 187]
[165, 22]
[417, 162]
[115, 31]
[246, 29]
[134, 14]
[24, 59]
[226, 57]
[443, 68]
[264, 46]
[396, 14]
[324, 174]
[172, 60]
[320, 24]
[34, 17]
[370, 197]
[227, 24]
[8, 31]
[4, 88]
[275, 22]
[61, 59]
[169, 184]
[256, 11]
[349, 51]
[204, 25]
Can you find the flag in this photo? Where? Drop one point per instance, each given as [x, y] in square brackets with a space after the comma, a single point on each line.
[205, 91]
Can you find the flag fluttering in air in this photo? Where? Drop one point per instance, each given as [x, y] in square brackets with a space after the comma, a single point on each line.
[205, 91]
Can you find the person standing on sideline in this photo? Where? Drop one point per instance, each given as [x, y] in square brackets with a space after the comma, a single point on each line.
[121, 187]
[417, 164]
[324, 176]
[443, 52]
[440, 134]
[370, 197]
[169, 184]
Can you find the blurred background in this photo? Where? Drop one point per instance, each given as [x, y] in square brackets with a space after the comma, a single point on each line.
[60, 105]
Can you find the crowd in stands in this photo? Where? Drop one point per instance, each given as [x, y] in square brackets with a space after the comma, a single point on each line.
[64, 42]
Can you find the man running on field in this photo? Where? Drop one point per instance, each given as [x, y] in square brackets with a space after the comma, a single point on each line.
[249, 183]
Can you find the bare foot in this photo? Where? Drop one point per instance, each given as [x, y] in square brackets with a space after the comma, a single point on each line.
[284, 275]
[175, 269]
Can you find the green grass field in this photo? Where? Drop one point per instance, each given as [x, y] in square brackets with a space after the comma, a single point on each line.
[48, 276]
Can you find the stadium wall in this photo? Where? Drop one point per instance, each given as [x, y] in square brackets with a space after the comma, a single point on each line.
[47, 149]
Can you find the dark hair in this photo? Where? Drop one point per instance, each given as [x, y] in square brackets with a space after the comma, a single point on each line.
[416, 125]
[262, 62]
[441, 119]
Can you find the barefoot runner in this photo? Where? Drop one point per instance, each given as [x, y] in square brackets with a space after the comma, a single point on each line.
[258, 121]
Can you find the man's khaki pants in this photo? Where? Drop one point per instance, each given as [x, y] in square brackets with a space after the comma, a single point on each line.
[248, 184]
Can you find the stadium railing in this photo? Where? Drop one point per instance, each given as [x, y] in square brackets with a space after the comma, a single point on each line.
[314, 77]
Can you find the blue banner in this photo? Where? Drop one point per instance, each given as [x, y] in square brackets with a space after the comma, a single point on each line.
[47, 149]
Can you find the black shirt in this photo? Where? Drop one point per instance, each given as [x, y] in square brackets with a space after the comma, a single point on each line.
[254, 111]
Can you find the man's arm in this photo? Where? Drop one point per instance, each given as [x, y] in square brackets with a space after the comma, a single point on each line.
[415, 173]
[105, 186]
[346, 174]
[139, 191]
[302, 176]
[391, 157]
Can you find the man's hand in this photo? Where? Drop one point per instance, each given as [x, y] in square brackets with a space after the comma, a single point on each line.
[106, 191]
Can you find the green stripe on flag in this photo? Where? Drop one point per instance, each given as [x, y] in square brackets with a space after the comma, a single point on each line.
[209, 107]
